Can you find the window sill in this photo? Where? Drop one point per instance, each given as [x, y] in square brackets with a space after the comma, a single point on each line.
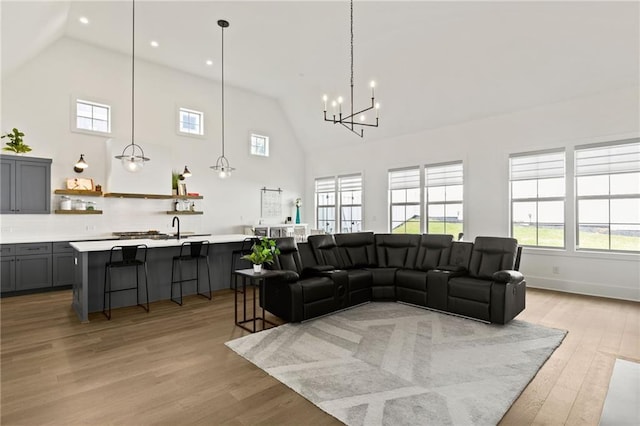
[91, 132]
[630, 257]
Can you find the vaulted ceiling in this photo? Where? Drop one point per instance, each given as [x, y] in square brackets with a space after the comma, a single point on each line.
[435, 63]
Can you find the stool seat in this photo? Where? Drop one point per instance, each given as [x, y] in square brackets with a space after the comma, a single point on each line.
[122, 257]
[190, 251]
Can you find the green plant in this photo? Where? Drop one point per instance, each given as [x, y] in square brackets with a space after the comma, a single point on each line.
[175, 178]
[16, 143]
[263, 252]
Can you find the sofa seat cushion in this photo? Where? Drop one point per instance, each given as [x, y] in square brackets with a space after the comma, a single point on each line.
[407, 278]
[470, 289]
[319, 288]
[359, 279]
[381, 277]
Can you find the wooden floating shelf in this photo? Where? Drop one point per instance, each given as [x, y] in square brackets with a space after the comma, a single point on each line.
[78, 211]
[78, 192]
[186, 212]
[152, 196]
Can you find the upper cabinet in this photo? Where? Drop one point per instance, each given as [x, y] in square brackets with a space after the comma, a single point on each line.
[26, 185]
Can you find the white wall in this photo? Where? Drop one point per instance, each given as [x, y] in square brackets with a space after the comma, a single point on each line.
[484, 147]
[36, 98]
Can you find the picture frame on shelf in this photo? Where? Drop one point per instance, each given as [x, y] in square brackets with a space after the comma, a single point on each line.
[85, 184]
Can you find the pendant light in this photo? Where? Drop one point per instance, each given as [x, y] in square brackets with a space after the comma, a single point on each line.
[132, 156]
[80, 165]
[222, 164]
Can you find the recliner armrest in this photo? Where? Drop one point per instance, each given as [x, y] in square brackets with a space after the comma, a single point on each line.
[508, 276]
[452, 268]
[284, 275]
[317, 270]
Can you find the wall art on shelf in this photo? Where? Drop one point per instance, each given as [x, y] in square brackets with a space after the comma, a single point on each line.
[80, 183]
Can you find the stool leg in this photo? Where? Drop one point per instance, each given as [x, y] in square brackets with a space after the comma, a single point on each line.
[137, 286]
[209, 277]
[146, 285]
[107, 270]
[173, 268]
[180, 269]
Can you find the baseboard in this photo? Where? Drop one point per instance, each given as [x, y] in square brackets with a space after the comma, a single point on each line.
[585, 288]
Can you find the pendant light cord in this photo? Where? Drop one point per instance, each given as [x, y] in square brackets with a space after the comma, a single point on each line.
[133, 69]
[222, 91]
[351, 61]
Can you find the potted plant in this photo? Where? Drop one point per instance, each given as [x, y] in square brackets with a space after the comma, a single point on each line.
[15, 143]
[175, 179]
[262, 252]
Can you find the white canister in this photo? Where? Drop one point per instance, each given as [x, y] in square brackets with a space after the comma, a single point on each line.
[80, 205]
[65, 203]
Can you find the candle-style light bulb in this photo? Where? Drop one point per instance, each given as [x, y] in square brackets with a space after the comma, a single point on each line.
[333, 105]
[324, 98]
[362, 117]
[377, 109]
[373, 85]
[340, 100]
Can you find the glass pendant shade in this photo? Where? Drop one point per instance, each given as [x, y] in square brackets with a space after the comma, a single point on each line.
[222, 167]
[132, 158]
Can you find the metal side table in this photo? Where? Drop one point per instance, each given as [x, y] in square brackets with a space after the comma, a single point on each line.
[257, 279]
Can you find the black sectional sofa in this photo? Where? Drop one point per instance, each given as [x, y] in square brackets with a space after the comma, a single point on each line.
[332, 272]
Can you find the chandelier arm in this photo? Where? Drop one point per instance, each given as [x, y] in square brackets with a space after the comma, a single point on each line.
[361, 134]
[356, 113]
[359, 123]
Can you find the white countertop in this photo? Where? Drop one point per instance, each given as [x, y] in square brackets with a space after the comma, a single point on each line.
[44, 238]
[83, 246]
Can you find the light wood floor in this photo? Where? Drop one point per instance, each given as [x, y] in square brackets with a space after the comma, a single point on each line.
[171, 366]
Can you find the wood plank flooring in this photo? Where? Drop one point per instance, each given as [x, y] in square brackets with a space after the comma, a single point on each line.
[170, 366]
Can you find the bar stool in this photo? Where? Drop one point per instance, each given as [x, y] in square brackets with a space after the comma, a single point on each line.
[189, 251]
[122, 257]
[245, 249]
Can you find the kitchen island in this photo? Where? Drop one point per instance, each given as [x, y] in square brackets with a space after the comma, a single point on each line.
[91, 256]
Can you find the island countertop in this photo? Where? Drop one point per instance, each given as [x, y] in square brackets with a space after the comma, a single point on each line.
[105, 245]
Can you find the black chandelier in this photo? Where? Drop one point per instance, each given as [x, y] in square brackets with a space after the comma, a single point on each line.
[222, 164]
[357, 118]
[132, 156]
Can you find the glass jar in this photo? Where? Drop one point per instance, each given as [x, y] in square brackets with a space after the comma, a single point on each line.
[91, 205]
[65, 203]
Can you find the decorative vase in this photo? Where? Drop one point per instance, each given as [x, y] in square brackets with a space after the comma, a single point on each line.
[257, 268]
[297, 214]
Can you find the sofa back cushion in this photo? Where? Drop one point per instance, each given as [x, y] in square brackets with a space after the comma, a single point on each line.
[492, 254]
[460, 254]
[397, 250]
[434, 250]
[325, 250]
[357, 250]
[289, 257]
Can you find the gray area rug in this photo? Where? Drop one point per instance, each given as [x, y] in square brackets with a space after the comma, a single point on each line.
[394, 364]
[622, 405]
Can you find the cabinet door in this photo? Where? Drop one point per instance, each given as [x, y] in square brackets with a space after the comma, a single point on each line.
[7, 274]
[63, 269]
[7, 184]
[33, 187]
[33, 271]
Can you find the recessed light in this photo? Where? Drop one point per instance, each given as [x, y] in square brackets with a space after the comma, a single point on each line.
[209, 62]
[154, 43]
[83, 20]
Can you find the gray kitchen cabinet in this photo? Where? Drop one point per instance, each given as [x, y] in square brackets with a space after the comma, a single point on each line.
[33, 266]
[63, 264]
[26, 185]
[7, 268]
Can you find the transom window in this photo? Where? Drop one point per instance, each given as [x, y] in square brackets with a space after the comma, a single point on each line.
[608, 196]
[444, 198]
[93, 117]
[404, 201]
[191, 122]
[260, 145]
[537, 182]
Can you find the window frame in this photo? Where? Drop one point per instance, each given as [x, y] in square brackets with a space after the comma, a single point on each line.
[446, 202]
[200, 134]
[351, 206]
[333, 206]
[338, 205]
[100, 104]
[608, 197]
[255, 136]
[538, 199]
[405, 204]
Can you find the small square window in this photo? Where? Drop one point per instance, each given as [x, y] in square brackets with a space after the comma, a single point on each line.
[190, 122]
[260, 145]
[92, 117]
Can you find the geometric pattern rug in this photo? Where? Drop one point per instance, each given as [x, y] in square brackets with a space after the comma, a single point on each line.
[386, 363]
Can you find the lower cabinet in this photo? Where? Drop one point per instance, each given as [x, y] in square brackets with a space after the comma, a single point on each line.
[36, 266]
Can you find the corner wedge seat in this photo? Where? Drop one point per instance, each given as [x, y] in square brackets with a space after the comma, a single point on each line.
[395, 252]
[492, 291]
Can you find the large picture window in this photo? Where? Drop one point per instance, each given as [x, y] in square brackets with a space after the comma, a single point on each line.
[608, 196]
[444, 185]
[339, 204]
[537, 189]
[404, 201]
